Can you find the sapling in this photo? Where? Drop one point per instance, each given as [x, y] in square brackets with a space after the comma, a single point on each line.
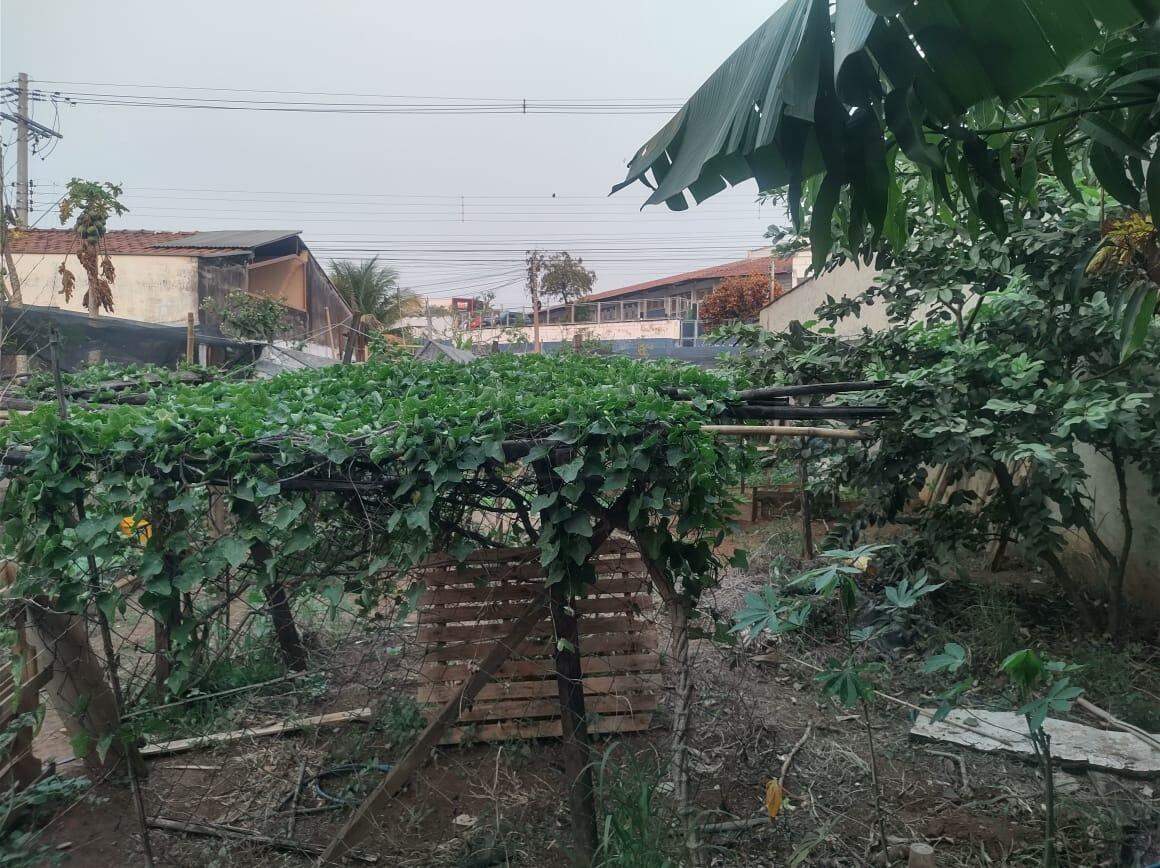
[1040, 690]
[850, 679]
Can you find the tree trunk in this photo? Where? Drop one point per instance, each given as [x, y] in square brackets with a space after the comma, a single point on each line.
[277, 604]
[807, 510]
[1118, 571]
[351, 338]
[78, 690]
[574, 723]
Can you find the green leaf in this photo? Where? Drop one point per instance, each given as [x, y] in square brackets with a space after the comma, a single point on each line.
[951, 659]
[233, 550]
[568, 472]
[821, 222]
[1110, 136]
[1061, 165]
[1137, 318]
[991, 212]
[1152, 187]
[1110, 172]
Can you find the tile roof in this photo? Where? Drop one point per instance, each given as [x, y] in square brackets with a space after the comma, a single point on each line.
[755, 265]
[139, 242]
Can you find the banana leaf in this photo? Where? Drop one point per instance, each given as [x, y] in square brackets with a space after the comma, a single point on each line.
[775, 108]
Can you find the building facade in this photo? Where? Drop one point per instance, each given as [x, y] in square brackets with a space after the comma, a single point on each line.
[162, 277]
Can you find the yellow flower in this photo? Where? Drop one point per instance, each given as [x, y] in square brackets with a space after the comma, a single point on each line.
[138, 527]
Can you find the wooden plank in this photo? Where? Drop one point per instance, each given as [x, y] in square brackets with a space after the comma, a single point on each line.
[508, 690]
[642, 641]
[526, 591]
[545, 728]
[610, 663]
[497, 629]
[286, 726]
[612, 546]
[527, 708]
[490, 611]
[356, 826]
[479, 575]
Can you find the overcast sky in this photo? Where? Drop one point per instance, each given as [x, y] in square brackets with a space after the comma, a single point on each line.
[452, 199]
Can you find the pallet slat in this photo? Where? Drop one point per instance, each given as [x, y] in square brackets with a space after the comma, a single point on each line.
[515, 729]
[498, 629]
[494, 611]
[508, 690]
[465, 608]
[522, 591]
[434, 671]
[480, 575]
[646, 640]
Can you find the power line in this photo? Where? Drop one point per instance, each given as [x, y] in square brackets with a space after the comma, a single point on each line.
[337, 93]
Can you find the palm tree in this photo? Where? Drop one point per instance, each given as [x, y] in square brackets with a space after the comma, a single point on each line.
[372, 291]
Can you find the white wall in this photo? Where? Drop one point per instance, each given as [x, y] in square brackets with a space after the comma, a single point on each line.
[608, 331]
[799, 303]
[159, 289]
[1142, 582]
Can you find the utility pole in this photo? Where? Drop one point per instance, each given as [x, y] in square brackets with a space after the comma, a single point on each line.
[22, 150]
[26, 130]
[535, 263]
[12, 291]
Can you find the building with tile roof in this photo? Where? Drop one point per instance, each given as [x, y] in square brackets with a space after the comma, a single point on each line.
[163, 277]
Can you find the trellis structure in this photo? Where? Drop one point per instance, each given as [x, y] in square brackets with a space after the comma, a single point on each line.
[362, 472]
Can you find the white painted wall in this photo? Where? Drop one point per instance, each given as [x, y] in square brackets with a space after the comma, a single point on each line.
[159, 289]
[799, 303]
[608, 331]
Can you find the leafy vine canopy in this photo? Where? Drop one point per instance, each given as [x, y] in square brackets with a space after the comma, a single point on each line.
[343, 478]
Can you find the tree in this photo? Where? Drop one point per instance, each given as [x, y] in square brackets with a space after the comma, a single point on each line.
[1002, 364]
[555, 276]
[737, 299]
[93, 203]
[818, 105]
[372, 291]
[250, 317]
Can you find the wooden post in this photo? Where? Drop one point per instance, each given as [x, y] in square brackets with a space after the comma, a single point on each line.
[330, 334]
[78, 689]
[190, 339]
[573, 714]
[163, 628]
[285, 630]
[574, 728]
[577, 343]
[807, 509]
[356, 828]
[134, 765]
[21, 767]
[682, 701]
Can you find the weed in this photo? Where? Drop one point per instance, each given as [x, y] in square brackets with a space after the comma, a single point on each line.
[1113, 682]
[637, 829]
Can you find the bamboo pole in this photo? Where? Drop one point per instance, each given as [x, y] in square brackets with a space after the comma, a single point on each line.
[786, 431]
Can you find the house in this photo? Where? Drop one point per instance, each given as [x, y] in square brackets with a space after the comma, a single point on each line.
[800, 299]
[162, 277]
[659, 311]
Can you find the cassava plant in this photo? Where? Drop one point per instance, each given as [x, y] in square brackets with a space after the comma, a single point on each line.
[851, 678]
[1040, 688]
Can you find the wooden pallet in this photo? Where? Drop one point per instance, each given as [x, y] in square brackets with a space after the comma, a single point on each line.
[467, 607]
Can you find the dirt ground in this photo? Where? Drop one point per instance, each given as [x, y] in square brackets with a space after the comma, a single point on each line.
[504, 804]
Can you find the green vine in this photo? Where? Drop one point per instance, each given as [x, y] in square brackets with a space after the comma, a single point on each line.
[338, 480]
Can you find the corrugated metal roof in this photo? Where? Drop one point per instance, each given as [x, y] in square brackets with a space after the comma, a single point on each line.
[433, 350]
[246, 238]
